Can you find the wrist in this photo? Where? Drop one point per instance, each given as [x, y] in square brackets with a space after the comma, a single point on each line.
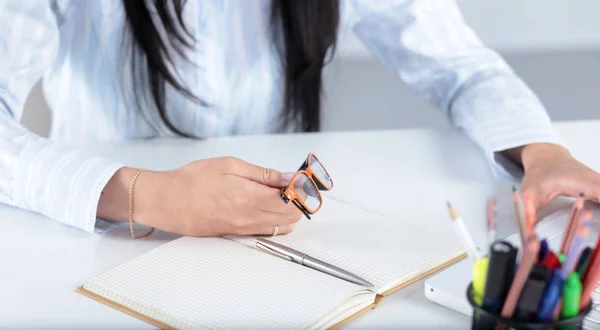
[114, 199]
[148, 200]
[541, 154]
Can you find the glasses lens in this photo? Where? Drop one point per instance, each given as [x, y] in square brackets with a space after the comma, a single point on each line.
[320, 172]
[307, 191]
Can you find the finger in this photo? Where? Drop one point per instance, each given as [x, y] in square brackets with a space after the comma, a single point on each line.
[287, 177]
[306, 191]
[269, 200]
[268, 231]
[271, 210]
[287, 229]
[262, 175]
[586, 183]
[539, 197]
[273, 218]
[593, 182]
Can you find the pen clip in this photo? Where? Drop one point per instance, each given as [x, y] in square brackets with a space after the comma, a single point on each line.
[263, 247]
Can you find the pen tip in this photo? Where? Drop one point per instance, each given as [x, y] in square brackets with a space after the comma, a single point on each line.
[581, 195]
[514, 188]
[453, 214]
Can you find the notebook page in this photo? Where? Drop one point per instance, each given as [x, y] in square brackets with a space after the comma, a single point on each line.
[376, 248]
[220, 284]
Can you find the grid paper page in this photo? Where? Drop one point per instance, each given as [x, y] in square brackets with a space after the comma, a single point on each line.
[217, 283]
[376, 248]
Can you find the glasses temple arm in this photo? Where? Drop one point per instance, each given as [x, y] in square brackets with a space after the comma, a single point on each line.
[301, 209]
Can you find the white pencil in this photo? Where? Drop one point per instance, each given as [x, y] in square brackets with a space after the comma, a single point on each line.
[463, 233]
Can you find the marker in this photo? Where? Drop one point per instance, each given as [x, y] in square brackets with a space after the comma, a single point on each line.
[543, 250]
[532, 293]
[593, 260]
[480, 269]
[584, 259]
[551, 296]
[562, 258]
[463, 233]
[500, 274]
[571, 296]
[551, 261]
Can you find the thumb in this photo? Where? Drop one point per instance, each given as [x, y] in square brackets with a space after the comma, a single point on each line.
[263, 175]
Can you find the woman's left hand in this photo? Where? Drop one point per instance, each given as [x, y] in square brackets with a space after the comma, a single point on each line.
[551, 171]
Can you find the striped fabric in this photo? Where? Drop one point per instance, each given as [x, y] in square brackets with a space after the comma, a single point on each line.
[75, 45]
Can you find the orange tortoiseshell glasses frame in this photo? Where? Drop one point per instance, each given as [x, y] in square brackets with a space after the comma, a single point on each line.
[304, 189]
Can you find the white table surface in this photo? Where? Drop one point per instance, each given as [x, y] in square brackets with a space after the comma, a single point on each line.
[408, 174]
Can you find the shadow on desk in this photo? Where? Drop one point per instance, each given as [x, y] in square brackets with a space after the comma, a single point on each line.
[123, 233]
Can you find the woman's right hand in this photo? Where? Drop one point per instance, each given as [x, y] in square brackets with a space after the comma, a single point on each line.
[212, 197]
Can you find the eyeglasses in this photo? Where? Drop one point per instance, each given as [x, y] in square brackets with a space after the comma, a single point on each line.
[304, 187]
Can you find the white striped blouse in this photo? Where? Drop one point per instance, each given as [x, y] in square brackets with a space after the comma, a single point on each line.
[76, 47]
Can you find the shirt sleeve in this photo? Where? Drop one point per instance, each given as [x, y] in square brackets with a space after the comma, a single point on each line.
[429, 46]
[36, 174]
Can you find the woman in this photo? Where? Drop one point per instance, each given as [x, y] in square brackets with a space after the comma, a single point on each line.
[124, 69]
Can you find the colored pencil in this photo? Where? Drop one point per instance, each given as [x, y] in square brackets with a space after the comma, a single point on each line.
[529, 258]
[572, 225]
[530, 214]
[491, 220]
[519, 214]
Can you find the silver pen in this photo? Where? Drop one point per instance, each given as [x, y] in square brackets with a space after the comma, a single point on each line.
[308, 261]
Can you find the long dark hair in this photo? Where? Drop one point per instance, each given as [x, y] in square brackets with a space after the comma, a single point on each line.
[304, 32]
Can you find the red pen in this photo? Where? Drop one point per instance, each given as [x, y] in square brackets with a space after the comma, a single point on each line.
[593, 260]
[590, 283]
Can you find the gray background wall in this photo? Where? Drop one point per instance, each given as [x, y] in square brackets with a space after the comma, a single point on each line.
[553, 45]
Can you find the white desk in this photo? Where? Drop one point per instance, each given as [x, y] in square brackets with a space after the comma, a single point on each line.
[401, 173]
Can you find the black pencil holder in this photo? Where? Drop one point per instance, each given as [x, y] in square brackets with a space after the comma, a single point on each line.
[484, 320]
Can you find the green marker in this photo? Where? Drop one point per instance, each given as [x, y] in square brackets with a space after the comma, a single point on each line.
[584, 259]
[479, 275]
[571, 296]
[562, 258]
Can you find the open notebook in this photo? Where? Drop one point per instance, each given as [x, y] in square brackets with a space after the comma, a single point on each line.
[222, 283]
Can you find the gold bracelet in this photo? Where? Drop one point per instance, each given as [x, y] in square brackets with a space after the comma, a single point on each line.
[131, 186]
